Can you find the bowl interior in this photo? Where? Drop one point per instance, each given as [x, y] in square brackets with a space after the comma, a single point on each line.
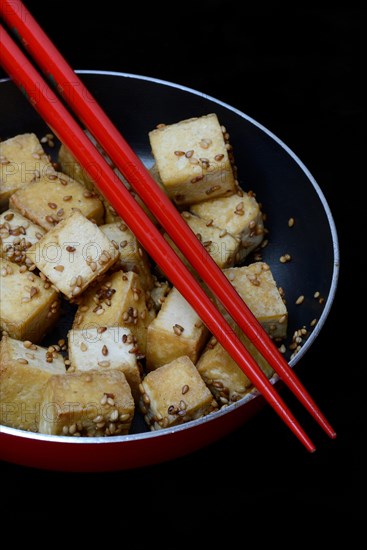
[265, 165]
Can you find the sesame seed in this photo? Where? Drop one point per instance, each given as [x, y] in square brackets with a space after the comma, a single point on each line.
[291, 222]
[317, 294]
[52, 205]
[300, 299]
[59, 268]
[179, 153]
[178, 329]
[104, 364]
[185, 389]
[205, 143]
[197, 178]
[33, 291]
[219, 157]
[83, 346]
[189, 153]
[67, 198]
[313, 322]
[22, 361]
[27, 344]
[104, 350]
[114, 415]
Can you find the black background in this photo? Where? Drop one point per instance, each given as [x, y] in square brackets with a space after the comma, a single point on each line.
[298, 71]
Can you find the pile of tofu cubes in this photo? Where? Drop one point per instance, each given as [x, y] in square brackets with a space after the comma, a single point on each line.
[134, 344]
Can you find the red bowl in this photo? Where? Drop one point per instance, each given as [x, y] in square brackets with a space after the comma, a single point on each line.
[285, 188]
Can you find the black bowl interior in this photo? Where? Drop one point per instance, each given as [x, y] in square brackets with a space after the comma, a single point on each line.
[281, 183]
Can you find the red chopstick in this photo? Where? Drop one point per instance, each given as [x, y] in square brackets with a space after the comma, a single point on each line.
[132, 159]
[107, 135]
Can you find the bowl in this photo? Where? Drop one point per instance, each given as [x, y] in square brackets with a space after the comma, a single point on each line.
[285, 188]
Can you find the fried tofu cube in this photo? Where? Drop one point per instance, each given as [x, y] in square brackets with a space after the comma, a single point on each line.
[221, 246]
[239, 215]
[73, 254]
[24, 371]
[22, 161]
[131, 255]
[72, 168]
[258, 289]
[177, 330]
[52, 198]
[29, 306]
[112, 348]
[225, 379]
[17, 234]
[119, 300]
[173, 394]
[88, 404]
[192, 160]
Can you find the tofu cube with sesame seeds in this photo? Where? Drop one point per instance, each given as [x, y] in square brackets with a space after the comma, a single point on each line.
[17, 234]
[87, 404]
[25, 369]
[225, 379]
[53, 197]
[193, 161]
[22, 161]
[131, 255]
[258, 289]
[221, 246]
[177, 330]
[72, 168]
[173, 394]
[73, 254]
[238, 215]
[105, 349]
[117, 300]
[30, 307]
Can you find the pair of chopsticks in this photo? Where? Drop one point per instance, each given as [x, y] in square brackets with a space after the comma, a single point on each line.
[68, 131]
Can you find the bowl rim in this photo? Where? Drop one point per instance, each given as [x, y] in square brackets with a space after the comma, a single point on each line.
[275, 378]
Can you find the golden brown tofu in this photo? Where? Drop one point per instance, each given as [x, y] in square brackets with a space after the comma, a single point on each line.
[112, 348]
[17, 234]
[258, 289]
[22, 161]
[177, 330]
[131, 255]
[221, 246]
[71, 167]
[225, 379]
[73, 254]
[30, 307]
[24, 371]
[119, 300]
[173, 394]
[89, 404]
[53, 198]
[238, 215]
[192, 160]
